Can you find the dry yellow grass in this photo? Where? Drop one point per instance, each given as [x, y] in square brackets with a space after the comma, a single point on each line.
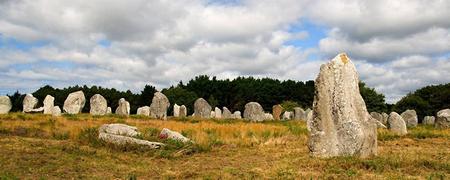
[39, 146]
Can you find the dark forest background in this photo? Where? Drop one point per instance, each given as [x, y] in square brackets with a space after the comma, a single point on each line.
[234, 94]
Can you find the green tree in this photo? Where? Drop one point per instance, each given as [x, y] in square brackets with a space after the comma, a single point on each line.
[374, 101]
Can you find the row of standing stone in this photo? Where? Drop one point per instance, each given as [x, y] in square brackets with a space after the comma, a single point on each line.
[398, 123]
[75, 102]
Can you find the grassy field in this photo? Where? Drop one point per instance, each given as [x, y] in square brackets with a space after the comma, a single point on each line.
[44, 147]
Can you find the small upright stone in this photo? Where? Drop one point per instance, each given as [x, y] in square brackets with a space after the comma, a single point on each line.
[56, 111]
[176, 110]
[212, 114]
[202, 109]
[74, 102]
[99, 105]
[143, 111]
[341, 125]
[276, 112]
[237, 115]
[49, 102]
[226, 113]
[254, 112]
[396, 124]
[268, 117]
[29, 103]
[218, 113]
[428, 120]
[299, 114]
[288, 115]
[443, 119]
[123, 108]
[183, 111]
[108, 110]
[410, 118]
[5, 105]
[159, 106]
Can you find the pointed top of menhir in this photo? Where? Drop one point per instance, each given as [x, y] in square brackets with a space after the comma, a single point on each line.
[341, 58]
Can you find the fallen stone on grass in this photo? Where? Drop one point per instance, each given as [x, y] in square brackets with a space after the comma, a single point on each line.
[122, 134]
[169, 134]
[119, 129]
[124, 140]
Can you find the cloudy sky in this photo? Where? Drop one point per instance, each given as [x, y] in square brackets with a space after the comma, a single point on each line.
[398, 46]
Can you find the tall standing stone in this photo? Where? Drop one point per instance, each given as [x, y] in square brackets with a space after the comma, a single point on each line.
[429, 120]
[99, 105]
[183, 111]
[159, 106]
[202, 109]
[443, 119]
[74, 103]
[254, 112]
[143, 111]
[396, 124]
[176, 110]
[218, 113]
[29, 103]
[410, 118]
[123, 108]
[341, 125]
[5, 105]
[226, 114]
[299, 114]
[49, 102]
[276, 112]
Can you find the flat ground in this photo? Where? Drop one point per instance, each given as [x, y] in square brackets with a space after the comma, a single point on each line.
[45, 147]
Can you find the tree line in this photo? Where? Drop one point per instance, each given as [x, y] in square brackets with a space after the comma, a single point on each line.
[235, 93]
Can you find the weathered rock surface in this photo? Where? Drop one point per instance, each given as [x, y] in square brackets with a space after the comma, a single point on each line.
[123, 108]
[396, 124]
[226, 114]
[201, 108]
[159, 106]
[143, 111]
[309, 120]
[176, 110]
[212, 114]
[288, 115]
[99, 105]
[183, 111]
[237, 115]
[276, 112]
[442, 119]
[108, 110]
[377, 116]
[429, 120]
[341, 125]
[5, 105]
[169, 134]
[385, 118]
[410, 118]
[74, 102]
[217, 113]
[254, 112]
[56, 111]
[29, 103]
[299, 114]
[49, 102]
